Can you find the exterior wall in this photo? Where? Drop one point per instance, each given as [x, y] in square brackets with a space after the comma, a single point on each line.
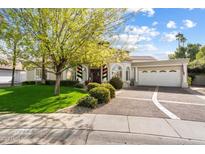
[124, 66]
[199, 80]
[6, 76]
[133, 74]
[30, 75]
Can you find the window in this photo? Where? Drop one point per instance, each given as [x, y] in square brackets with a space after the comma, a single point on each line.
[38, 74]
[172, 71]
[153, 71]
[144, 71]
[117, 71]
[127, 73]
[162, 71]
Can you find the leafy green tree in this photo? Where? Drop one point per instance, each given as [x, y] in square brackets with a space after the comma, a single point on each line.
[192, 50]
[180, 52]
[64, 33]
[189, 51]
[11, 38]
[201, 53]
[198, 65]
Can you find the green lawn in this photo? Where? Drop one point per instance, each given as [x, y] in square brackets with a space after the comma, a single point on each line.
[37, 99]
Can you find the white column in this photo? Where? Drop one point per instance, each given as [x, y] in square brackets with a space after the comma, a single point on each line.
[184, 81]
[124, 73]
[136, 75]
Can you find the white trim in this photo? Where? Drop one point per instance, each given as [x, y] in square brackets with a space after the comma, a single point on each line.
[161, 65]
[162, 108]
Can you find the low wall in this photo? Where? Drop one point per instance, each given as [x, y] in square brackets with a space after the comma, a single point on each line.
[199, 80]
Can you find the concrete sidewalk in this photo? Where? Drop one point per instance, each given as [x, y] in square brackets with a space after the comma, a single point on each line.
[62, 128]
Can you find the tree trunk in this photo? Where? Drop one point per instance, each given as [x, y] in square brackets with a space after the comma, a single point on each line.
[44, 75]
[13, 75]
[13, 65]
[57, 84]
[178, 44]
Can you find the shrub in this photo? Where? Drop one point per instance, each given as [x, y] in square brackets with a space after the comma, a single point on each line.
[116, 83]
[102, 94]
[31, 82]
[92, 85]
[69, 82]
[50, 82]
[63, 82]
[87, 101]
[110, 88]
[189, 80]
[79, 85]
[86, 82]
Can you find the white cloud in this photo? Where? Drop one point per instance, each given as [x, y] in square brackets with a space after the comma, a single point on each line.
[189, 24]
[130, 42]
[169, 37]
[171, 24]
[154, 23]
[147, 11]
[133, 36]
[145, 33]
[147, 47]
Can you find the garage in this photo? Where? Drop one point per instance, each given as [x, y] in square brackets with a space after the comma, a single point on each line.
[167, 73]
[160, 76]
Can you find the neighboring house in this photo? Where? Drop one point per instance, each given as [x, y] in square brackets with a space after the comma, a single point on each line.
[6, 74]
[138, 70]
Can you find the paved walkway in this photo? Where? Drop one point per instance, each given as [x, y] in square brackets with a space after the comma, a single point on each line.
[62, 128]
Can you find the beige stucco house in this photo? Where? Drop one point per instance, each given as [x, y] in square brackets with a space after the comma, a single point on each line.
[138, 70]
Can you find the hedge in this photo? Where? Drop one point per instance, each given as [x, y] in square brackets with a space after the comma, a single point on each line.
[92, 85]
[101, 94]
[87, 101]
[110, 88]
[116, 83]
[63, 82]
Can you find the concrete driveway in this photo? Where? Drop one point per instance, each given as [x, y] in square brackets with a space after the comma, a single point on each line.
[173, 103]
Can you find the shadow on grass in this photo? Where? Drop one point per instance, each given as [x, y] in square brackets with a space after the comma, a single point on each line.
[37, 99]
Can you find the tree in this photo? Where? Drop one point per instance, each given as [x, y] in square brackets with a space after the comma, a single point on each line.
[201, 53]
[180, 52]
[189, 51]
[65, 32]
[198, 65]
[181, 39]
[192, 50]
[97, 54]
[34, 56]
[11, 38]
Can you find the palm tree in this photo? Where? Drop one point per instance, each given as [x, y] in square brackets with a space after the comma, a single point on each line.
[183, 40]
[179, 36]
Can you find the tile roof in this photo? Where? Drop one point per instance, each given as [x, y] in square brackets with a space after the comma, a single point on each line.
[142, 58]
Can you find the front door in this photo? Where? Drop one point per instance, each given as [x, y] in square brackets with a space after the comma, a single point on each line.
[95, 75]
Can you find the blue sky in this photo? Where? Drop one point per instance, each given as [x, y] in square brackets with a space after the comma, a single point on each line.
[152, 31]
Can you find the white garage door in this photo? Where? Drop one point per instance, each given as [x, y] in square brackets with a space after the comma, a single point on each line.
[163, 77]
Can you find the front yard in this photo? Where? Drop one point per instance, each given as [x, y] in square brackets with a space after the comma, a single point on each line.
[37, 99]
